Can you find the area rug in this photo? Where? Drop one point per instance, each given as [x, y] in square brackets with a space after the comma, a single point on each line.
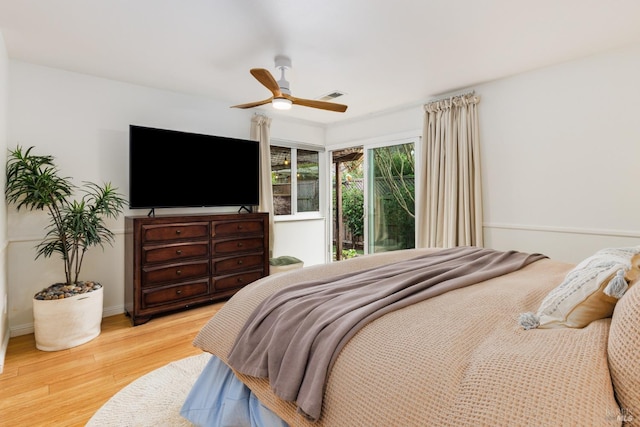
[154, 399]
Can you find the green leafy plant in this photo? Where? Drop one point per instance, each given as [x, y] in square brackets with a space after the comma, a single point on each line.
[349, 253]
[353, 209]
[33, 182]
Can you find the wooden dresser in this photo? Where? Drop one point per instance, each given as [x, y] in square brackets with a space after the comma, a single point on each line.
[176, 262]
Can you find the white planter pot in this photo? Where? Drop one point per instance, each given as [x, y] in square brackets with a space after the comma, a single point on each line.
[69, 322]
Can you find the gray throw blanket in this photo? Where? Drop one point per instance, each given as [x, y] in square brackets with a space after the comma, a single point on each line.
[294, 336]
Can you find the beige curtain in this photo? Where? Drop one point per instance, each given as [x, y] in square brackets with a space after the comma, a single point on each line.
[260, 126]
[449, 210]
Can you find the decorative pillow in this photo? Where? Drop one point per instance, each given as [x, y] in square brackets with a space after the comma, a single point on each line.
[589, 292]
[623, 349]
[284, 260]
[284, 263]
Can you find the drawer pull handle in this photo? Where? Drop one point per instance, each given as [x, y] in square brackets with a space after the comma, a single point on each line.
[240, 244]
[178, 272]
[178, 231]
[179, 252]
[239, 262]
[240, 280]
[179, 291]
[239, 227]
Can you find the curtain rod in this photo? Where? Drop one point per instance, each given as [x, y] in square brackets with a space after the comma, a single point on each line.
[454, 95]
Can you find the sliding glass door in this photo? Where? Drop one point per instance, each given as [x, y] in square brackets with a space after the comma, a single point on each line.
[373, 203]
[390, 198]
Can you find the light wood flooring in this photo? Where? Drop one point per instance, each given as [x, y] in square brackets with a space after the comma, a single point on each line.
[65, 388]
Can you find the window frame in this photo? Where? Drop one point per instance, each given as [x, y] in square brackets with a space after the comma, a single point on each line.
[294, 147]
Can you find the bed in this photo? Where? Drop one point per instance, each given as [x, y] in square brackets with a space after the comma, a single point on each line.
[460, 357]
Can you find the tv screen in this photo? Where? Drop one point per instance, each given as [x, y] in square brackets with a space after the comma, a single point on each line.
[170, 168]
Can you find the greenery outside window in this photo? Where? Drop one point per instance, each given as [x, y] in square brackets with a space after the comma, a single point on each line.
[308, 181]
[295, 177]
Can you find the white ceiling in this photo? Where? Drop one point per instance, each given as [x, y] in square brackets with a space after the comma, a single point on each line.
[383, 54]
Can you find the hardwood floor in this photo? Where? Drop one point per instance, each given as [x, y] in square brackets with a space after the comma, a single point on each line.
[65, 388]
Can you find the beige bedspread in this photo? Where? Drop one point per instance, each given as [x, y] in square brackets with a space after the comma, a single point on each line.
[457, 359]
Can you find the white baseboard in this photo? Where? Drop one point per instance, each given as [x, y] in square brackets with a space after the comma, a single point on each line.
[113, 310]
[27, 328]
[24, 329]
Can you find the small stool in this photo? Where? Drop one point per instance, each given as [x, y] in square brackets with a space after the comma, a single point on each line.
[284, 263]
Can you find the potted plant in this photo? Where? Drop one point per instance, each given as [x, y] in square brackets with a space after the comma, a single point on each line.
[70, 313]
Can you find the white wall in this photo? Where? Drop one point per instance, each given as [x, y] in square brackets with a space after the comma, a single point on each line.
[559, 147]
[83, 121]
[299, 238]
[4, 88]
[404, 122]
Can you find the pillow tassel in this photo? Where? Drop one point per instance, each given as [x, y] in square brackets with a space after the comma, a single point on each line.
[617, 286]
[529, 320]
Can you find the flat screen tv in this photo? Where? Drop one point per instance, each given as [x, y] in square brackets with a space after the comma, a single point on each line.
[169, 169]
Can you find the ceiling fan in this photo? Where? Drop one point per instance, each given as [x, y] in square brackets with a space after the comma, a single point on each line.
[282, 98]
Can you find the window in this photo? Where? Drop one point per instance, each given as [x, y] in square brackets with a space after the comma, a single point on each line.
[295, 176]
[307, 180]
[281, 180]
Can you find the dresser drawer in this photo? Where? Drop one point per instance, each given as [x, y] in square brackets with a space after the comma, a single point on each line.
[173, 261]
[174, 252]
[174, 272]
[169, 294]
[246, 262]
[228, 247]
[236, 280]
[235, 228]
[158, 233]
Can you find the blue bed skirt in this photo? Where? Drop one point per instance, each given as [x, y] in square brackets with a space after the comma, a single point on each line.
[218, 398]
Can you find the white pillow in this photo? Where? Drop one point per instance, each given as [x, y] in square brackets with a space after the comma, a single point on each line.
[588, 292]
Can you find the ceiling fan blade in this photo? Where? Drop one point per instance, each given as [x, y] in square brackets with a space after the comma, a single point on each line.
[331, 106]
[253, 104]
[267, 80]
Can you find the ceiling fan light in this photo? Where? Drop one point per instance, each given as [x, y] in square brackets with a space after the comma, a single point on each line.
[281, 103]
